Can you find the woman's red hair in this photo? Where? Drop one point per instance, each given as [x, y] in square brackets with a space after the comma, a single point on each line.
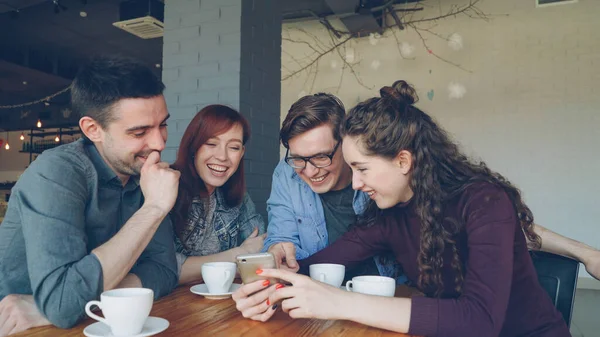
[209, 122]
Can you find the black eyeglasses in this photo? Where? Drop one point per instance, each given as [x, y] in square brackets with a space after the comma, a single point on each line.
[319, 160]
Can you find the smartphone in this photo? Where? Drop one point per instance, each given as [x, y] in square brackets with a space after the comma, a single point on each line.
[248, 264]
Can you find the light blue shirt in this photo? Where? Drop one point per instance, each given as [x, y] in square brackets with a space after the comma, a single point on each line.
[296, 215]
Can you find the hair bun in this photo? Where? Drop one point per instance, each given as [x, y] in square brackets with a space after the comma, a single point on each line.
[400, 91]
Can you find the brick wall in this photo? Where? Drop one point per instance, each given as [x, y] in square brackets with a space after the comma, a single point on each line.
[227, 52]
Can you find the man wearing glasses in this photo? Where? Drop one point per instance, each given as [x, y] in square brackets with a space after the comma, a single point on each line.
[312, 202]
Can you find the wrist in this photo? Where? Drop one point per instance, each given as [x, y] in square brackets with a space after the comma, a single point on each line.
[346, 304]
[586, 255]
[238, 251]
[241, 251]
[154, 210]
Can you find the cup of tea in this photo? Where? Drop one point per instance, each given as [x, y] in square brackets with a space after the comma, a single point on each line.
[372, 285]
[218, 276]
[332, 274]
[125, 310]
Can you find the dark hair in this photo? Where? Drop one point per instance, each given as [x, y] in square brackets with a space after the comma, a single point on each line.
[105, 80]
[389, 124]
[310, 112]
[209, 122]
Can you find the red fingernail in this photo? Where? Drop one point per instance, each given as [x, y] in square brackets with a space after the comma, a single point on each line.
[259, 271]
[268, 302]
[266, 283]
[279, 286]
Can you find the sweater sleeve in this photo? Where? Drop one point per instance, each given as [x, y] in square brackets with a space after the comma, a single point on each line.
[491, 226]
[351, 249]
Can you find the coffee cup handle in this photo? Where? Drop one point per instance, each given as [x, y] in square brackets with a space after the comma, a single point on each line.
[349, 285]
[91, 314]
[227, 275]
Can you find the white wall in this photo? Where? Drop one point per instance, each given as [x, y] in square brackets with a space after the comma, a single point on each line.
[12, 162]
[532, 106]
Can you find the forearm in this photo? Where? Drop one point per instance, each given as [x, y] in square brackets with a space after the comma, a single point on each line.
[560, 245]
[350, 250]
[390, 313]
[192, 267]
[118, 255]
[130, 281]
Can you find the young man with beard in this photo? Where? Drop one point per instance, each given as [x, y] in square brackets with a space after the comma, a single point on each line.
[91, 216]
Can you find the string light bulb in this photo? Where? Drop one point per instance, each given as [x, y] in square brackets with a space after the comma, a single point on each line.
[57, 139]
[39, 123]
[7, 146]
[22, 136]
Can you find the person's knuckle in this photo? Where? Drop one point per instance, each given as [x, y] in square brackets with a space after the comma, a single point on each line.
[256, 301]
[239, 306]
[265, 317]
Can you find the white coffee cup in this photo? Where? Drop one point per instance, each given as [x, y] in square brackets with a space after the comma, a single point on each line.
[125, 310]
[332, 274]
[372, 285]
[218, 276]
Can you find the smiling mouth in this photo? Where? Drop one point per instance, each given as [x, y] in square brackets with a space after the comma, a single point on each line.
[217, 168]
[319, 179]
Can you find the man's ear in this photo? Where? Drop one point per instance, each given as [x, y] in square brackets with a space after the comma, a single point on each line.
[90, 128]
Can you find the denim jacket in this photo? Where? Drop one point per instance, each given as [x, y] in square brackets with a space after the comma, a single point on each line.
[232, 226]
[296, 215]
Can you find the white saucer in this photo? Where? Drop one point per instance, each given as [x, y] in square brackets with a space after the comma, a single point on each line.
[152, 326]
[202, 289]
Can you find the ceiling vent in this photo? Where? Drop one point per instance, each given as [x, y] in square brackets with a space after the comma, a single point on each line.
[545, 3]
[146, 27]
[142, 18]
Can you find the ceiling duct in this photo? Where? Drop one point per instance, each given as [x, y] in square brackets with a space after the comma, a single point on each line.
[142, 18]
[365, 20]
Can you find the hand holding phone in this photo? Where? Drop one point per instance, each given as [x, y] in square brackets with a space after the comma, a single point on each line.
[248, 264]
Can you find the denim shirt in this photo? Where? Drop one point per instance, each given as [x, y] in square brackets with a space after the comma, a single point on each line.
[296, 215]
[232, 225]
[68, 202]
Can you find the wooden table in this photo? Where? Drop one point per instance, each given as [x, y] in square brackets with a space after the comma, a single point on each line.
[194, 315]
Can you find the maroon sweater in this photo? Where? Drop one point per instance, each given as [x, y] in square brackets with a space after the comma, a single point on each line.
[501, 295]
